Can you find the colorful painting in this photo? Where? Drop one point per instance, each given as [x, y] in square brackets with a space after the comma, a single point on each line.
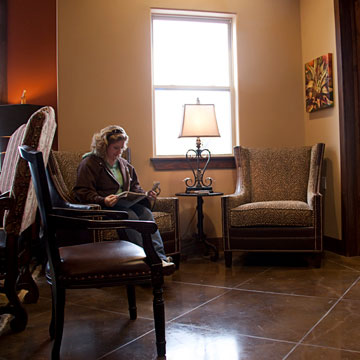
[319, 83]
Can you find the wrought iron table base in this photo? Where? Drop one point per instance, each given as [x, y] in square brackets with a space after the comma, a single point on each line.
[201, 236]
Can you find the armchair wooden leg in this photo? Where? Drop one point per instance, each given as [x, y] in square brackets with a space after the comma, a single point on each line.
[20, 320]
[228, 258]
[14, 307]
[315, 260]
[58, 321]
[27, 282]
[52, 321]
[132, 301]
[176, 259]
[159, 318]
[157, 281]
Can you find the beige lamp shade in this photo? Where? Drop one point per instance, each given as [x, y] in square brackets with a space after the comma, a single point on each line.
[199, 121]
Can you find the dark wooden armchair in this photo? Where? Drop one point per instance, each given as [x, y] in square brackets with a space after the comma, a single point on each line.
[277, 204]
[18, 201]
[62, 171]
[95, 264]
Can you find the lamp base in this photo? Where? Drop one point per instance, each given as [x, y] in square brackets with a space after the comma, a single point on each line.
[199, 189]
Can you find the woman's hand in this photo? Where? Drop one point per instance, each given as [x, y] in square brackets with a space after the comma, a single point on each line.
[111, 200]
[151, 195]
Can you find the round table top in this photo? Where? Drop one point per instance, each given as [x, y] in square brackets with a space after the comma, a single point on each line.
[199, 193]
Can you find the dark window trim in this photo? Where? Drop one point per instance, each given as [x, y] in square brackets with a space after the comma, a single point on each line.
[3, 52]
[180, 163]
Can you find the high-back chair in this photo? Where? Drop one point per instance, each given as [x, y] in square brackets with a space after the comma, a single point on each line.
[18, 203]
[277, 204]
[95, 264]
[62, 170]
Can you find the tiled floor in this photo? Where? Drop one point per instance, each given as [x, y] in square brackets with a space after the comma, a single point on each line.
[265, 307]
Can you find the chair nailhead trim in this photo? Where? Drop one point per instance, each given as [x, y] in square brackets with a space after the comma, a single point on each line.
[102, 276]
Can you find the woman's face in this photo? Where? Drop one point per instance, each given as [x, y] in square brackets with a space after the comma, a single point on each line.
[114, 150]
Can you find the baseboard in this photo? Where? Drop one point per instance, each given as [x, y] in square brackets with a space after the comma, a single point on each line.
[190, 246]
[334, 245]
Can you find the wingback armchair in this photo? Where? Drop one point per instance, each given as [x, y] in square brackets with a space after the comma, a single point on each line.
[62, 171]
[19, 203]
[277, 204]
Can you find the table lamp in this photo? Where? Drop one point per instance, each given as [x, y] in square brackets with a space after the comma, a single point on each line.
[199, 121]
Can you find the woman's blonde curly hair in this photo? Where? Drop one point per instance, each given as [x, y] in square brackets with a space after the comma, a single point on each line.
[106, 137]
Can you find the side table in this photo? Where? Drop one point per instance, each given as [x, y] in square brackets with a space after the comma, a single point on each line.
[200, 236]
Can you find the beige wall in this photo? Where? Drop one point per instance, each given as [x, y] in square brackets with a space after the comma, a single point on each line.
[318, 38]
[105, 77]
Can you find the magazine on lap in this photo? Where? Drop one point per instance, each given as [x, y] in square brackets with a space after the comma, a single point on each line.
[131, 198]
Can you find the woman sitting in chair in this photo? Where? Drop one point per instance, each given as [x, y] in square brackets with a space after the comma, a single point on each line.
[103, 174]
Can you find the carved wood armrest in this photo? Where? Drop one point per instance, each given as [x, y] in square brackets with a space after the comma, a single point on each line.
[89, 213]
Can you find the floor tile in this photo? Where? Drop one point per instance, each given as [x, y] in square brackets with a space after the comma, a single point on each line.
[321, 353]
[198, 271]
[352, 263]
[280, 317]
[179, 298]
[340, 328]
[87, 335]
[192, 343]
[354, 292]
[303, 281]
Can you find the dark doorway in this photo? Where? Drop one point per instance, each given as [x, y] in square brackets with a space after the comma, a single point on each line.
[347, 23]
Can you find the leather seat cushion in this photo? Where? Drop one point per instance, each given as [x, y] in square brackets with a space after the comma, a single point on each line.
[272, 213]
[102, 259]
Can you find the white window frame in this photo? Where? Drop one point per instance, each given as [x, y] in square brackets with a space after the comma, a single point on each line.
[232, 88]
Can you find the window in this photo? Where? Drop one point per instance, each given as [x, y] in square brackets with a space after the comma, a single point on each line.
[192, 57]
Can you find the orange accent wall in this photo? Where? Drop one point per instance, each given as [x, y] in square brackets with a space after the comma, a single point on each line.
[32, 52]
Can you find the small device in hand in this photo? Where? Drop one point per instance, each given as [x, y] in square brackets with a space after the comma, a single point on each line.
[156, 187]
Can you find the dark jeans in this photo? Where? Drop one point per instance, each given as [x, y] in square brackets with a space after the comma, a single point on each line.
[141, 212]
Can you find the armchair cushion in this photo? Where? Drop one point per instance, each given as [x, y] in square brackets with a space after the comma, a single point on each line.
[272, 213]
[165, 212]
[278, 174]
[64, 181]
[163, 220]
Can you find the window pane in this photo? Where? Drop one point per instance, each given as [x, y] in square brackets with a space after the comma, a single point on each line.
[169, 107]
[190, 52]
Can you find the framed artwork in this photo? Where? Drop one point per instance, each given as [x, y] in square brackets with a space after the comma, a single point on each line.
[319, 90]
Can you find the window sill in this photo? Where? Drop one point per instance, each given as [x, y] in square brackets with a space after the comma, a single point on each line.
[176, 163]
